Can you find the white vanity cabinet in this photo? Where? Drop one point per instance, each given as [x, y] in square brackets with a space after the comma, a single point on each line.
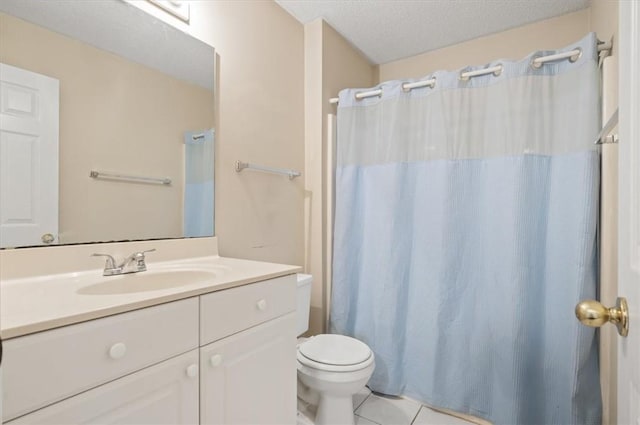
[225, 357]
[249, 377]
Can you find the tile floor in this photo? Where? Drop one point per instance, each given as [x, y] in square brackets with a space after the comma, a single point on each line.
[374, 409]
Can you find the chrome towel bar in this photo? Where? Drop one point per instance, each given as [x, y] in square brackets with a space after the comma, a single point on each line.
[125, 177]
[292, 174]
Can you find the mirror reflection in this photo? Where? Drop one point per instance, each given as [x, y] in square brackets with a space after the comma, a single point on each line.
[106, 126]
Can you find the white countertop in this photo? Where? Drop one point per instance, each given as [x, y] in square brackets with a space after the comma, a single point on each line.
[35, 304]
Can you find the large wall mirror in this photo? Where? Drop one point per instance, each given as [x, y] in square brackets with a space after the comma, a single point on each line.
[106, 125]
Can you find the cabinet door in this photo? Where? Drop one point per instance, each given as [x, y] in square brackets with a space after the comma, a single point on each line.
[166, 393]
[46, 367]
[250, 377]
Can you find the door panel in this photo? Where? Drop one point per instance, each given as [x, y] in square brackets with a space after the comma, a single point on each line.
[629, 211]
[29, 112]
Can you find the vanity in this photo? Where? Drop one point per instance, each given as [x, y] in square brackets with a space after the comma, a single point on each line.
[218, 347]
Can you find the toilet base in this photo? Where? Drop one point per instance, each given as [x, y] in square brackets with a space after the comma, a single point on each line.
[334, 410]
[307, 395]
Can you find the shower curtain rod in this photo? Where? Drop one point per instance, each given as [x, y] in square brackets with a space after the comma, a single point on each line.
[536, 63]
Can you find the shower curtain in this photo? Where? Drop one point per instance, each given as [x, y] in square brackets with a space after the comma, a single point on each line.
[465, 233]
[198, 216]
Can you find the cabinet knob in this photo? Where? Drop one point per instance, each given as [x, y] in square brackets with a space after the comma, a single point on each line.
[192, 370]
[117, 351]
[216, 360]
[262, 305]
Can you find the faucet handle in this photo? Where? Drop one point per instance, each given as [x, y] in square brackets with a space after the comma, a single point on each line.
[111, 262]
[139, 258]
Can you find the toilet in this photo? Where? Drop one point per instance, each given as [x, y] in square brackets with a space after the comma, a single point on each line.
[331, 368]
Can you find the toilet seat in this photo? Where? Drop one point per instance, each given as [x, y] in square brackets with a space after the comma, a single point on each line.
[335, 353]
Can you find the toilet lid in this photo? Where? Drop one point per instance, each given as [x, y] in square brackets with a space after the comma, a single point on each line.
[336, 350]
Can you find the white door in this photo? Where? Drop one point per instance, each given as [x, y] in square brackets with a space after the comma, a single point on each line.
[28, 158]
[163, 394]
[629, 212]
[250, 377]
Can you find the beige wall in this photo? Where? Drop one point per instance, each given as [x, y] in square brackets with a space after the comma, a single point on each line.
[260, 119]
[511, 44]
[604, 21]
[106, 106]
[331, 64]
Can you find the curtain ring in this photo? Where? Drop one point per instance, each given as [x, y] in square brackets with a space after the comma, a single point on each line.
[574, 58]
[405, 86]
[534, 64]
[366, 94]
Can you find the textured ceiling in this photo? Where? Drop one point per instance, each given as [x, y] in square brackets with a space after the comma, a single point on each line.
[125, 30]
[387, 30]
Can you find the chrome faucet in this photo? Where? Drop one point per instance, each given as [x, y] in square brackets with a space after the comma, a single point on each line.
[137, 259]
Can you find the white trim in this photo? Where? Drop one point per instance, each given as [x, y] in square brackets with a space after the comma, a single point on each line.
[329, 211]
[630, 101]
[628, 411]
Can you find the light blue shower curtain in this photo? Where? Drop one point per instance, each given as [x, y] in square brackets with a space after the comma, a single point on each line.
[465, 234]
[198, 217]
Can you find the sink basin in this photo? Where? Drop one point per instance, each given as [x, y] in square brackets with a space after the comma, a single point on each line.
[148, 281]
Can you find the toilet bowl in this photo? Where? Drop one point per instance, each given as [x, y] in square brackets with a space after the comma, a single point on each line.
[331, 368]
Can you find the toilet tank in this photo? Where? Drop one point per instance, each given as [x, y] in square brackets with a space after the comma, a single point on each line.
[303, 295]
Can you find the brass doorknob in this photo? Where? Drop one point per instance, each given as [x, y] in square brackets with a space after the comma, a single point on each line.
[592, 313]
